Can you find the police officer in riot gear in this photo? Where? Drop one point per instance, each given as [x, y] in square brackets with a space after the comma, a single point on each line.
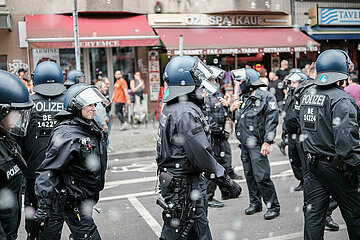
[15, 104]
[255, 116]
[184, 152]
[330, 119]
[216, 112]
[48, 101]
[291, 126]
[74, 77]
[70, 178]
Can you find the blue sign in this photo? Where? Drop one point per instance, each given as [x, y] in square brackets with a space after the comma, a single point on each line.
[323, 78]
[333, 16]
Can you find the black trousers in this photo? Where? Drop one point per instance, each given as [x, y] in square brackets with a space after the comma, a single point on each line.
[296, 157]
[200, 229]
[119, 111]
[83, 228]
[222, 154]
[30, 203]
[324, 180]
[257, 173]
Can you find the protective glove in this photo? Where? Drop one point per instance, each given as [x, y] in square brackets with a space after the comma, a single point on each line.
[42, 216]
[232, 186]
[234, 189]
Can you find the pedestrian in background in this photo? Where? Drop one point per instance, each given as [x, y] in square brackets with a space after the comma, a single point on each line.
[276, 87]
[263, 77]
[121, 98]
[354, 88]
[137, 86]
[100, 113]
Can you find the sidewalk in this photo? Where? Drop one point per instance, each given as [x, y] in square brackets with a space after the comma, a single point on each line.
[140, 141]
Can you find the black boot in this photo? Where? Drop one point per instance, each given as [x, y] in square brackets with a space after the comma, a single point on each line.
[252, 209]
[282, 146]
[300, 187]
[330, 224]
[235, 176]
[215, 203]
[271, 214]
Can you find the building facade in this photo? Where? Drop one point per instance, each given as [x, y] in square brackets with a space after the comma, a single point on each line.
[138, 35]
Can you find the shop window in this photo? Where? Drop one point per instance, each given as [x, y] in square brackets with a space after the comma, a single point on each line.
[3, 62]
[124, 60]
[68, 61]
[98, 63]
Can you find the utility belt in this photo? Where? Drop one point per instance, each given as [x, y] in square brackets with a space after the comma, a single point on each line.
[178, 209]
[350, 172]
[62, 199]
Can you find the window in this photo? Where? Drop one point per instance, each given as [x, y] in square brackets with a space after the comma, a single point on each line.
[124, 60]
[67, 59]
[98, 63]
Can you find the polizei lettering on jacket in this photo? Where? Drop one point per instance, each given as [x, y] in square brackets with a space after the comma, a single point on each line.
[48, 106]
[12, 172]
[317, 100]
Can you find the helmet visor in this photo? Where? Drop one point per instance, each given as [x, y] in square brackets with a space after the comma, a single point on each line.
[91, 96]
[293, 77]
[200, 71]
[218, 73]
[239, 74]
[16, 122]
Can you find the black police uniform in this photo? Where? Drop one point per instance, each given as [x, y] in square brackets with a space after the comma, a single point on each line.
[255, 123]
[217, 115]
[183, 153]
[10, 188]
[330, 119]
[291, 127]
[34, 145]
[71, 176]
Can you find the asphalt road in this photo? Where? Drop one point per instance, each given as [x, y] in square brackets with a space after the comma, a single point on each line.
[128, 210]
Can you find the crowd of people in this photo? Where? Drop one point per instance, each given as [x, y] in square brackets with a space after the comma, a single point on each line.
[54, 134]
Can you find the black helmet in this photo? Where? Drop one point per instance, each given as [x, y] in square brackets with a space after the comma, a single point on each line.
[183, 74]
[48, 79]
[14, 96]
[81, 95]
[331, 66]
[74, 77]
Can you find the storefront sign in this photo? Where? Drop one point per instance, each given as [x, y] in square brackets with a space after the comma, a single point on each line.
[331, 16]
[154, 74]
[313, 15]
[243, 50]
[44, 54]
[225, 20]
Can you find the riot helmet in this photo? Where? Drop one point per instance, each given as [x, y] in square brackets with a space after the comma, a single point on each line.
[331, 66]
[81, 95]
[74, 77]
[48, 79]
[15, 105]
[295, 75]
[248, 78]
[183, 74]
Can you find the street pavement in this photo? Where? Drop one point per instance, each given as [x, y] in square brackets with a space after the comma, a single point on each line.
[127, 208]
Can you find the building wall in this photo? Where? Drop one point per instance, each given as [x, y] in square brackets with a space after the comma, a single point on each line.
[302, 8]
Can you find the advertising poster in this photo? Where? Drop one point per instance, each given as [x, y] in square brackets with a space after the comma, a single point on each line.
[154, 74]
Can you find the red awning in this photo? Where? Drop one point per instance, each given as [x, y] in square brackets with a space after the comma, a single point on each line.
[57, 31]
[205, 41]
